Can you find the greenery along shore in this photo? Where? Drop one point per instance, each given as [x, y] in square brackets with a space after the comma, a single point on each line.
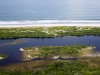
[9, 33]
[56, 50]
[60, 68]
[2, 56]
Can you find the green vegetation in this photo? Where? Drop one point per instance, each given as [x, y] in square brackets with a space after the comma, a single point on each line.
[9, 33]
[60, 68]
[57, 50]
[29, 48]
[2, 56]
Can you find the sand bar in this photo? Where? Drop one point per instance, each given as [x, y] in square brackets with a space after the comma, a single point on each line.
[48, 25]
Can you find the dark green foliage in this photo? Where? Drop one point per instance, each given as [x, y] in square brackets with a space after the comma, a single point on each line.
[60, 68]
[58, 50]
[3, 55]
[29, 48]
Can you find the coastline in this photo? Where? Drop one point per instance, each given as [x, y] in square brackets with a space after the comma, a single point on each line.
[48, 25]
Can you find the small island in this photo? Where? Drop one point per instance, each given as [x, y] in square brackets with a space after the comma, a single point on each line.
[3, 56]
[56, 52]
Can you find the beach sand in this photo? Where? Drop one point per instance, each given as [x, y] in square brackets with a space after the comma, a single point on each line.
[48, 25]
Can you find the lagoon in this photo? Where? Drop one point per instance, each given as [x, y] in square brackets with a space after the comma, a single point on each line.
[15, 55]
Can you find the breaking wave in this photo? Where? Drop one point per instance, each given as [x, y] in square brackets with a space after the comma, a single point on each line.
[50, 22]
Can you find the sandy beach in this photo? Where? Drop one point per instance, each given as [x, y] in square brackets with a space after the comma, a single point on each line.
[48, 25]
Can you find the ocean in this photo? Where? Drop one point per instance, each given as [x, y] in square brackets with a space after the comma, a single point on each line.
[21, 12]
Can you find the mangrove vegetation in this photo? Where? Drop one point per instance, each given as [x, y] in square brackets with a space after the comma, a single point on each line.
[2, 56]
[42, 32]
[57, 51]
[58, 68]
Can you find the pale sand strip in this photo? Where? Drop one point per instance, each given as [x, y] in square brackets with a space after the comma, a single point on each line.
[48, 25]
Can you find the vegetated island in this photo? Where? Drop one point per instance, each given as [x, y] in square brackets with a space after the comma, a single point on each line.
[3, 56]
[56, 52]
[42, 32]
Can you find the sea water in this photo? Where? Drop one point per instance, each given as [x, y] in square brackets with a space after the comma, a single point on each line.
[21, 12]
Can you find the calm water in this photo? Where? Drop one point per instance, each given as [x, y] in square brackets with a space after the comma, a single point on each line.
[14, 55]
[49, 11]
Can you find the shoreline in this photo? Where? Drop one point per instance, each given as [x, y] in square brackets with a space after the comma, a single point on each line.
[48, 25]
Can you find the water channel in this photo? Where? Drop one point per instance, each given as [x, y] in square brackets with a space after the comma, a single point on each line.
[15, 55]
